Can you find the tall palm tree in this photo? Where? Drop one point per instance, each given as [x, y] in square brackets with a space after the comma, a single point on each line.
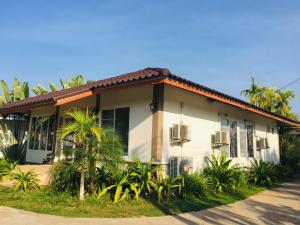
[270, 99]
[86, 132]
[19, 91]
[283, 107]
[254, 93]
[72, 82]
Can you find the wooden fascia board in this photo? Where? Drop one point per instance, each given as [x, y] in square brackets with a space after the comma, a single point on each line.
[227, 101]
[73, 98]
[27, 108]
[63, 101]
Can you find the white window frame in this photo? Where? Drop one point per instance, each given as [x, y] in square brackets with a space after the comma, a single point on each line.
[238, 136]
[61, 142]
[40, 133]
[114, 108]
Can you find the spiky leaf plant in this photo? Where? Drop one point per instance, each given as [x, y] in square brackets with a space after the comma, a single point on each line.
[25, 180]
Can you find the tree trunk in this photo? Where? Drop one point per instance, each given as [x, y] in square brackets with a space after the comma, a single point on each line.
[92, 174]
[81, 192]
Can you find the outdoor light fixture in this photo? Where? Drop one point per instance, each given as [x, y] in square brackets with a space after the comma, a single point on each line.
[153, 106]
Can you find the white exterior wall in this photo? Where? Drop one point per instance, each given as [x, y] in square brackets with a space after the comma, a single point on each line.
[204, 118]
[140, 120]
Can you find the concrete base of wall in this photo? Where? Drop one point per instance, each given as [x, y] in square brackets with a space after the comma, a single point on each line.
[42, 171]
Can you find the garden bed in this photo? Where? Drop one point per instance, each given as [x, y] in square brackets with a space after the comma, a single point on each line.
[62, 204]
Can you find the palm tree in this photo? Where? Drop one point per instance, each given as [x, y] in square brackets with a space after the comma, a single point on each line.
[19, 91]
[253, 93]
[283, 107]
[72, 82]
[270, 99]
[86, 132]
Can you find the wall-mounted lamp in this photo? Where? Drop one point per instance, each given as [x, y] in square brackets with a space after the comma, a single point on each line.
[153, 106]
[223, 114]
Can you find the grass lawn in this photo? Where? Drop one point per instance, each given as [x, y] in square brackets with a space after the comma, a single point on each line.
[48, 202]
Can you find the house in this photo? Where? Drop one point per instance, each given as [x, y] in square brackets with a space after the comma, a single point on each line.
[159, 116]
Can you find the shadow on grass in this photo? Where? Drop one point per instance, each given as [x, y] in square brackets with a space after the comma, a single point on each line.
[263, 212]
[191, 204]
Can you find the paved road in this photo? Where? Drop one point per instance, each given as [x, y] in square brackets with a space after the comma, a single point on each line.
[281, 205]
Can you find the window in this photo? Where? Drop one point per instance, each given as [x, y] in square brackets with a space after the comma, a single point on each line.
[225, 128]
[68, 142]
[42, 133]
[250, 140]
[233, 139]
[241, 138]
[118, 119]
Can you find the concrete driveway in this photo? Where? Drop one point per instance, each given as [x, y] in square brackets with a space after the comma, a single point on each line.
[281, 205]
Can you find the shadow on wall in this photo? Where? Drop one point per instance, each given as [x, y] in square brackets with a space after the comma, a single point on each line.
[270, 155]
[141, 152]
[9, 152]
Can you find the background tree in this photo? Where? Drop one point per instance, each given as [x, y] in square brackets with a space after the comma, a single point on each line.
[72, 82]
[18, 92]
[271, 99]
[278, 101]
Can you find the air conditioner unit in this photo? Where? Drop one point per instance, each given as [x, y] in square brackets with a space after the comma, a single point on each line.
[180, 166]
[175, 133]
[220, 138]
[185, 133]
[262, 143]
[185, 166]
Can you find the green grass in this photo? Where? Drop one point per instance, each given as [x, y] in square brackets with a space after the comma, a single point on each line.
[55, 203]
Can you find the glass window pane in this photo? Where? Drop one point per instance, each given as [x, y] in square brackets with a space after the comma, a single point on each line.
[243, 140]
[233, 139]
[36, 131]
[107, 118]
[225, 128]
[250, 140]
[122, 126]
[68, 141]
[108, 114]
[44, 132]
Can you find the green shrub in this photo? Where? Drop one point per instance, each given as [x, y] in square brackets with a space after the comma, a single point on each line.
[198, 185]
[6, 167]
[138, 179]
[224, 176]
[167, 187]
[291, 151]
[263, 173]
[130, 182]
[104, 178]
[25, 180]
[284, 171]
[65, 176]
[142, 174]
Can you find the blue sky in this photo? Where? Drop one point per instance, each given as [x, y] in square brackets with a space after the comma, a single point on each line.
[220, 44]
